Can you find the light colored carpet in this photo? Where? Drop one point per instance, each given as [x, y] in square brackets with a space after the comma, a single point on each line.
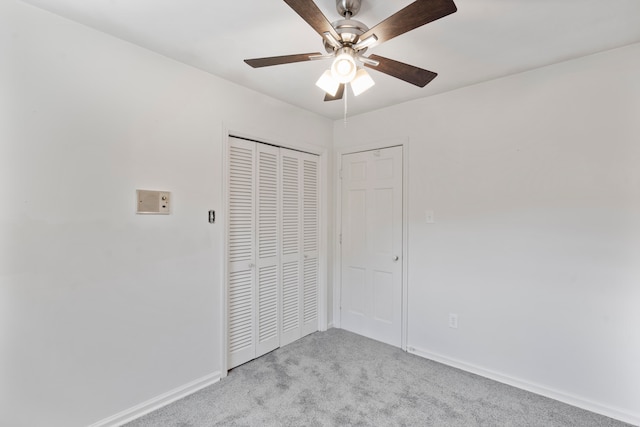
[337, 378]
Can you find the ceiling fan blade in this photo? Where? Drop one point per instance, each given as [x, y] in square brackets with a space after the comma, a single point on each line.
[415, 15]
[337, 96]
[278, 60]
[410, 74]
[308, 10]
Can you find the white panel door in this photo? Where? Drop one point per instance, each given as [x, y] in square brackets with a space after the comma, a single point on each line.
[371, 258]
[240, 249]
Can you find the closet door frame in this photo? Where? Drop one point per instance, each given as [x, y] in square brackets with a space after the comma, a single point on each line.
[222, 220]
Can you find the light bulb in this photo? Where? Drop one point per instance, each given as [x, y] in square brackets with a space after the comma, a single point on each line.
[343, 68]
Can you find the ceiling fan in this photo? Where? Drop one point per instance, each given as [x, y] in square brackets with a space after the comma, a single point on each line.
[347, 40]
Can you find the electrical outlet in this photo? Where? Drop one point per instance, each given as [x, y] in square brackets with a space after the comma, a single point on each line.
[453, 320]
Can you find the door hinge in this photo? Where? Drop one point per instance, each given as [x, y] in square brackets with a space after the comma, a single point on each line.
[340, 238]
[340, 173]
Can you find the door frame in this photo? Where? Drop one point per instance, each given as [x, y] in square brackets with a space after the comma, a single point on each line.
[266, 137]
[337, 276]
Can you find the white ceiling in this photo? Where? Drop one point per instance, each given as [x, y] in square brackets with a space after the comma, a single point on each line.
[483, 40]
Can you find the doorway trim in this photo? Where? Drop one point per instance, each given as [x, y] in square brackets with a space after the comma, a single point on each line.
[268, 137]
[337, 277]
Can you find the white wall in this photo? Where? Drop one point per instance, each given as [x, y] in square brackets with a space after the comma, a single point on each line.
[535, 184]
[533, 179]
[101, 309]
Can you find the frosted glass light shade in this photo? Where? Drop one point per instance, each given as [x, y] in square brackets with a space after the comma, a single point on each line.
[361, 82]
[343, 68]
[327, 83]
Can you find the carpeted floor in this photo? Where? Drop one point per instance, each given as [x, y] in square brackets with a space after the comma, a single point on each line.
[337, 378]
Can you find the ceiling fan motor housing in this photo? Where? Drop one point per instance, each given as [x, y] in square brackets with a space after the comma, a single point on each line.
[349, 30]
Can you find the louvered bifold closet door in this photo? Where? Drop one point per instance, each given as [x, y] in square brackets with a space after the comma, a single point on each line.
[241, 244]
[291, 221]
[267, 259]
[310, 243]
[272, 244]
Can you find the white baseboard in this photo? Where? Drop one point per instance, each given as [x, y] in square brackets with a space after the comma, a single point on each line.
[533, 388]
[158, 402]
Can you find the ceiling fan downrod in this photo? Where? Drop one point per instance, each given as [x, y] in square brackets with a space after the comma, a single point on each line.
[348, 7]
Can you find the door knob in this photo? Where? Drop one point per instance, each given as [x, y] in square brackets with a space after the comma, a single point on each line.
[251, 265]
[395, 258]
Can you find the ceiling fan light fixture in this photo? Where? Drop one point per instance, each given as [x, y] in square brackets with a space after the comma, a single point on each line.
[327, 83]
[361, 82]
[344, 67]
